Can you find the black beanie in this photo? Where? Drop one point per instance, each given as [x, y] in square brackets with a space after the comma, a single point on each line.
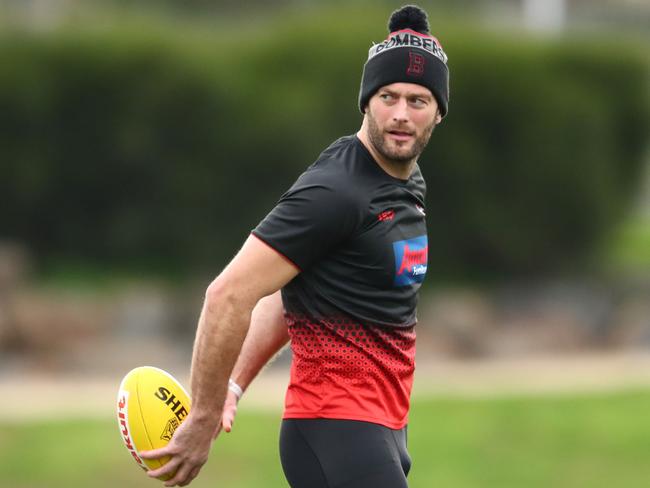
[410, 54]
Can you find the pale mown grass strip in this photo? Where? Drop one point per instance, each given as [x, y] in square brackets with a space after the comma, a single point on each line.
[60, 397]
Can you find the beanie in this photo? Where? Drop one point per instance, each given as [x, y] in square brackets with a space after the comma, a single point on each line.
[410, 54]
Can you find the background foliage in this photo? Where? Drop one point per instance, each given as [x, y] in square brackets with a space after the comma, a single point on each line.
[165, 146]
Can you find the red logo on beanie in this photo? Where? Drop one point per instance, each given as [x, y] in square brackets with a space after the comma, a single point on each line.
[416, 64]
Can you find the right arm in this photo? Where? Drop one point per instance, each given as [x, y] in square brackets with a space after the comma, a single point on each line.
[223, 326]
[266, 336]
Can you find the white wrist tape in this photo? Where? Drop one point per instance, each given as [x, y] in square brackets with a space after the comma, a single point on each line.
[235, 388]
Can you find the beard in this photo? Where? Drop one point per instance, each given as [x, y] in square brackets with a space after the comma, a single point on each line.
[397, 154]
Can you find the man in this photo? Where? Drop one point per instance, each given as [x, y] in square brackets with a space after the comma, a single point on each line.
[337, 265]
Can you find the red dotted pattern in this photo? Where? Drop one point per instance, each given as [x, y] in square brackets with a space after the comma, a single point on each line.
[343, 369]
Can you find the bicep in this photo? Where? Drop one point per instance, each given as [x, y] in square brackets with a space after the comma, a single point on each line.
[312, 218]
[257, 270]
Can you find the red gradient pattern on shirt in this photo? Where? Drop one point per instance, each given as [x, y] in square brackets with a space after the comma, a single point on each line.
[342, 369]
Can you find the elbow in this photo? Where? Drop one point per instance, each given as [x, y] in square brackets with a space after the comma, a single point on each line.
[218, 294]
[223, 295]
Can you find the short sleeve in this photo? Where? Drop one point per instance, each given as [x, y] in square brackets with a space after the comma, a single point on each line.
[318, 213]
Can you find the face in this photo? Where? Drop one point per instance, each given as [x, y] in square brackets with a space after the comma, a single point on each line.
[401, 118]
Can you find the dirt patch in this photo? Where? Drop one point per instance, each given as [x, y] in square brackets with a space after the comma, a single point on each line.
[39, 397]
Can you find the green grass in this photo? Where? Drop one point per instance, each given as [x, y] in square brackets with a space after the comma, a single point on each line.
[559, 441]
[596, 440]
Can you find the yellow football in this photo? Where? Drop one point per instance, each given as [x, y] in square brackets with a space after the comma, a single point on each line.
[151, 405]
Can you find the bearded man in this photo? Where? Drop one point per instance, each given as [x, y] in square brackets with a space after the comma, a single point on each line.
[335, 269]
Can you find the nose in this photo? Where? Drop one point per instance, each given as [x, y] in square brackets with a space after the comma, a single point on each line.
[400, 112]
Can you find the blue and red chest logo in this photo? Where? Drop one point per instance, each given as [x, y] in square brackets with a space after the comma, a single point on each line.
[410, 260]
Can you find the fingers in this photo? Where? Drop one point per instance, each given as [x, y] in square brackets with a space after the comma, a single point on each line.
[228, 417]
[187, 452]
[168, 469]
[155, 453]
[184, 476]
[195, 472]
[180, 473]
[227, 423]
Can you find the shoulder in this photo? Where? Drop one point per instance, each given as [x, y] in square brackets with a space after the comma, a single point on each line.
[339, 172]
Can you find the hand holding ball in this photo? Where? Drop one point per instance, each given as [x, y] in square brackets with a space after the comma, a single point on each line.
[151, 405]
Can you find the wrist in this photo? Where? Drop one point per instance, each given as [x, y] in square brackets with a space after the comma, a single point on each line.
[235, 388]
[205, 418]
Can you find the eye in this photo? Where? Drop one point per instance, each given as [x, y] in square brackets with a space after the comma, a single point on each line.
[386, 97]
[418, 102]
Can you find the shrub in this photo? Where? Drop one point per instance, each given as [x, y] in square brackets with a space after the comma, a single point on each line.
[145, 145]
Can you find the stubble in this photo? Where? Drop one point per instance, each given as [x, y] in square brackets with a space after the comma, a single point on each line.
[397, 155]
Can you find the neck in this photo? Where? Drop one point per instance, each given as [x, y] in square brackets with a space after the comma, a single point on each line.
[397, 169]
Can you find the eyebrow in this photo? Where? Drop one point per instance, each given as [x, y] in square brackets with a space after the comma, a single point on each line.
[407, 94]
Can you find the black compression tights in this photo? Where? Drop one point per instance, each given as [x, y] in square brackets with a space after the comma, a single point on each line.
[326, 453]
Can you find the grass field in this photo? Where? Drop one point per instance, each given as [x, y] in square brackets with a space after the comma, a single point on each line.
[587, 440]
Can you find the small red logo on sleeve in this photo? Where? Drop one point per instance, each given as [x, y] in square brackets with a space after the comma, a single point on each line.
[386, 215]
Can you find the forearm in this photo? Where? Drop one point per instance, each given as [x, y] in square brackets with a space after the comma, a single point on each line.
[223, 324]
[225, 319]
[266, 336]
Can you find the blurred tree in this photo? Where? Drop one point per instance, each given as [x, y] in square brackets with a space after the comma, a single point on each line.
[165, 146]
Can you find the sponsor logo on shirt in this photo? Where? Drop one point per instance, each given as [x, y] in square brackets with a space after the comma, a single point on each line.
[410, 260]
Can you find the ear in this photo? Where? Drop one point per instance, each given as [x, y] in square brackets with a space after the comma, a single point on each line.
[438, 117]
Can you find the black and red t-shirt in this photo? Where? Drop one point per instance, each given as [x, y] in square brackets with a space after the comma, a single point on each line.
[359, 237]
